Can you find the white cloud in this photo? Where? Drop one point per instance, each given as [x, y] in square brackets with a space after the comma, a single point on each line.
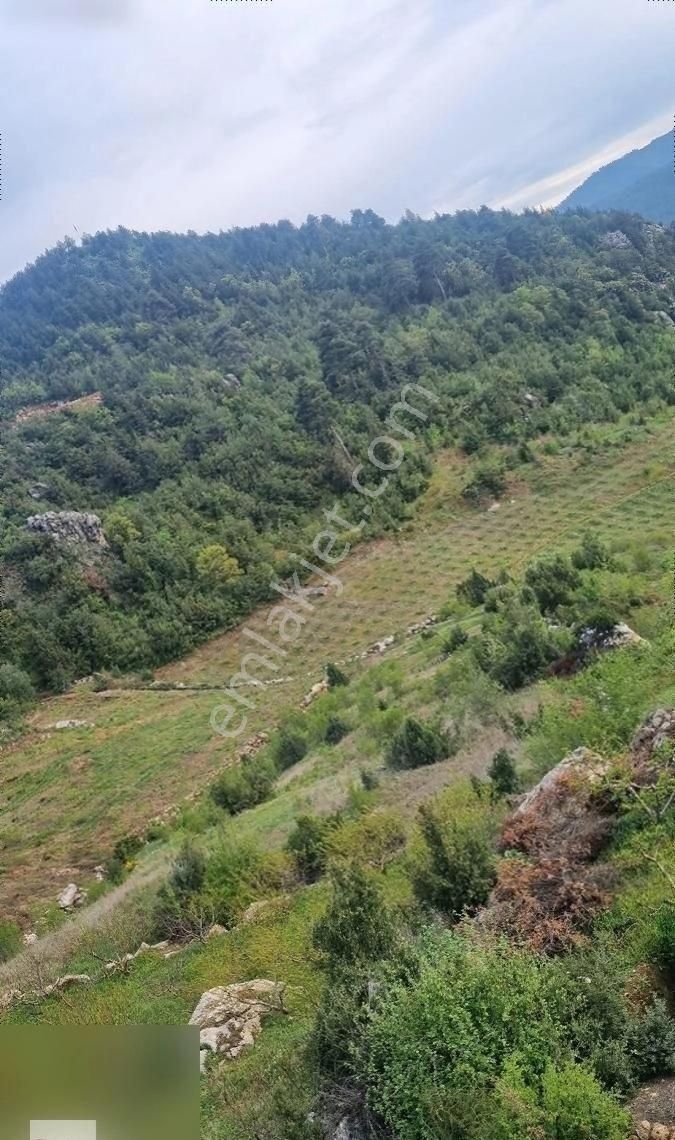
[181, 114]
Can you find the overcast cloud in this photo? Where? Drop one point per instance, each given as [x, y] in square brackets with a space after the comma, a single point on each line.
[204, 114]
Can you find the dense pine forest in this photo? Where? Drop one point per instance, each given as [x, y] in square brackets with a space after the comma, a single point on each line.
[242, 375]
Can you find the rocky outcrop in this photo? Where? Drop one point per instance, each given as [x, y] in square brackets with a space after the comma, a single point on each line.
[616, 239]
[230, 1018]
[582, 761]
[618, 637]
[70, 527]
[653, 733]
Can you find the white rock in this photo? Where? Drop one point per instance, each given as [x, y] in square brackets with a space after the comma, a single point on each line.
[70, 896]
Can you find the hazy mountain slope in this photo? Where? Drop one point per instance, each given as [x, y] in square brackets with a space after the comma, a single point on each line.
[642, 182]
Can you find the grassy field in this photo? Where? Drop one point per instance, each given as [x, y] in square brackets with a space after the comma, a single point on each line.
[66, 796]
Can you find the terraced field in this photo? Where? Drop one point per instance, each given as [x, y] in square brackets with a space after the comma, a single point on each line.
[66, 795]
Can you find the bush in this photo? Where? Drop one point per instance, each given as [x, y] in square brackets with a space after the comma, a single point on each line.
[553, 581]
[372, 840]
[335, 676]
[125, 849]
[16, 692]
[416, 744]
[243, 786]
[291, 748]
[592, 554]
[651, 1043]
[336, 730]
[575, 1107]
[11, 940]
[502, 773]
[369, 780]
[474, 589]
[307, 846]
[189, 870]
[454, 641]
[458, 870]
[356, 928]
[663, 941]
[435, 1047]
[516, 647]
[487, 481]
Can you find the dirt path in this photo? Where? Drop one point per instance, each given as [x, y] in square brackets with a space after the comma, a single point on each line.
[48, 955]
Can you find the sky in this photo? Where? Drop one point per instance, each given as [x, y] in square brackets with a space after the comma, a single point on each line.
[207, 114]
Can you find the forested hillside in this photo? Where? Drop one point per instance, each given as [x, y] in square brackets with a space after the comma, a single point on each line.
[242, 375]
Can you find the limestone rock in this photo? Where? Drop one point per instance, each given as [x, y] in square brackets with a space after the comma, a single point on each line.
[71, 896]
[69, 526]
[62, 725]
[582, 760]
[656, 730]
[230, 1017]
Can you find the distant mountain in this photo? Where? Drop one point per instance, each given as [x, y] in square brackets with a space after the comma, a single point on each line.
[642, 182]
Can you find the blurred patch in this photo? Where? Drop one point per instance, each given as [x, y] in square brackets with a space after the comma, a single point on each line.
[101, 1082]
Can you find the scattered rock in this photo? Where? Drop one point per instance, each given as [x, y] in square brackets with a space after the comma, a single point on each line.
[61, 725]
[30, 938]
[99, 873]
[71, 896]
[421, 625]
[381, 646]
[314, 692]
[253, 745]
[69, 526]
[230, 1017]
[494, 507]
[215, 931]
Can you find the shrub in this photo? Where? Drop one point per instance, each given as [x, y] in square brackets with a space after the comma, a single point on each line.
[369, 780]
[189, 870]
[335, 676]
[307, 846]
[373, 839]
[502, 773]
[291, 748]
[575, 1107]
[592, 554]
[515, 647]
[416, 744]
[243, 786]
[457, 870]
[356, 928]
[455, 1028]
[336, 730]
[454, 641]
[125, 849]
[553, 581]
[651, 1042]
[474, 589]
[487, 481]
[11, 939]
[663, 941]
